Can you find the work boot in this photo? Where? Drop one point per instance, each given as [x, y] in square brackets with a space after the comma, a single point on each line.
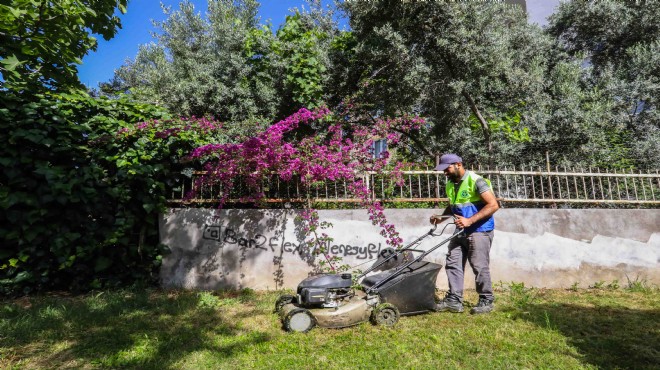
[449, 304]
[484, 305]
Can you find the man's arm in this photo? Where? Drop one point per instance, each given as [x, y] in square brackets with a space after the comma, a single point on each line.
[489, 209]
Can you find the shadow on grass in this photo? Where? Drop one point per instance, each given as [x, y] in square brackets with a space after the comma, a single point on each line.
[119, 329]
[607, 337]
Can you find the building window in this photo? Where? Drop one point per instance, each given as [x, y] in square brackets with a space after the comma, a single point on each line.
[380, 146]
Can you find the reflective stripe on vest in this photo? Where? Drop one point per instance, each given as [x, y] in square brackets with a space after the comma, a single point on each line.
[467, 202]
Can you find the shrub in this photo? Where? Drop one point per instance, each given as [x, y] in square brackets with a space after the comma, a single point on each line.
[80, 197]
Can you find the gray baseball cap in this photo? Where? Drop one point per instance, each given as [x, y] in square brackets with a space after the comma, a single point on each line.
[448, 159]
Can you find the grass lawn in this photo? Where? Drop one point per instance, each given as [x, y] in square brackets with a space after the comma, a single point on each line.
[609, 328]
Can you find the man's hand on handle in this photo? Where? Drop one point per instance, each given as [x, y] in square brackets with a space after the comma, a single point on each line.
[462, 222]
[437, 219]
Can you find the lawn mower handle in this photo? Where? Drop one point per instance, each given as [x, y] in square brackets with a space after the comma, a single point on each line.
[456, 233]
[408, 247]
[430, 232]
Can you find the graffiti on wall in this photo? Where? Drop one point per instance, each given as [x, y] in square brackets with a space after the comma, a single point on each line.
[259, 242]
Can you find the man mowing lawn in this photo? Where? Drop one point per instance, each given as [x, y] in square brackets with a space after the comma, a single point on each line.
[472, 202]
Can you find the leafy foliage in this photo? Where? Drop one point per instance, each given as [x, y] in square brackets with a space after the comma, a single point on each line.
[619, 41]
[80, 197]
[499, 90]
[454, 63]
[299, 47]
[605, 31]
[218, 65]
[42, 41]
[83, 179]
[227, 65]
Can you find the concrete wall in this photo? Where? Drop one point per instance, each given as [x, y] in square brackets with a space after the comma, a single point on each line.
[259, 249]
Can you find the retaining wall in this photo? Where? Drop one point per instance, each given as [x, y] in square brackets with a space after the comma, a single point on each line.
[552, 248]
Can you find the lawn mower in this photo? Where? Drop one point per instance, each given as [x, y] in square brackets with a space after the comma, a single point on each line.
[401, 285]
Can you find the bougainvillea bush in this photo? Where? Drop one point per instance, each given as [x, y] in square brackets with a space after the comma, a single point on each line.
[314, 146]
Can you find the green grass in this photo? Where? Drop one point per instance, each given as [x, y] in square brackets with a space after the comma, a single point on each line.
[607, 328]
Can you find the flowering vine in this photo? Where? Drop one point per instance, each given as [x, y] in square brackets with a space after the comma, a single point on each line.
[338, 151]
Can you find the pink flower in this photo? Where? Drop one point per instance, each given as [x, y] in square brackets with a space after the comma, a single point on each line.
[335, 154]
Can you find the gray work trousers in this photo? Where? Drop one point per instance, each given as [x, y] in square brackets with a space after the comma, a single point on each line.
[476, 249]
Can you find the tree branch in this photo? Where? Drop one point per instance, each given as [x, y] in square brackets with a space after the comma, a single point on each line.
[417, 142]
[473, 107]
[484, 124]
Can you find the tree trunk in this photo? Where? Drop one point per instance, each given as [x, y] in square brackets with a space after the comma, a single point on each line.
[484, 124]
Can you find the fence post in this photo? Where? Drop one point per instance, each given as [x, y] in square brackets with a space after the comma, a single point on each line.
[367, 177]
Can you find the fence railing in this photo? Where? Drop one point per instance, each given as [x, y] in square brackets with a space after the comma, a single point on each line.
[512, 186]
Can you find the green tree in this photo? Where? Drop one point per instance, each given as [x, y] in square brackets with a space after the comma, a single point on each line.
[219, 65]
[228, 65]
[456, 63]
[300, 50]
[42, 41]
[619, 42]
[605, 31]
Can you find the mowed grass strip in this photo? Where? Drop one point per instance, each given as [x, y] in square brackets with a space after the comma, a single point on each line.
[607, 328]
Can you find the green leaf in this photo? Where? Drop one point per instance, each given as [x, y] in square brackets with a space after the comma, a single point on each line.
[15, 12]
[102, 263]
[11, 63]
[22, 276]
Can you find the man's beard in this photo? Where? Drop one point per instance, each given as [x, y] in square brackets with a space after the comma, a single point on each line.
[453, 177]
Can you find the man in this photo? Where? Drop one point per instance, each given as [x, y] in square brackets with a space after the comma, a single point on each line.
[473, 203]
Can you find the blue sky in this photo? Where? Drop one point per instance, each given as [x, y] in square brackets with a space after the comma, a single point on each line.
[136, 30]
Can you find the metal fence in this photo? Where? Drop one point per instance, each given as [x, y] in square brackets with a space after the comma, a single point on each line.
[511, 186]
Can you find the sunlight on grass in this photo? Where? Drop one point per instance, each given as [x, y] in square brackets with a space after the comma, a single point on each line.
[600, 327]
[140, 352]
